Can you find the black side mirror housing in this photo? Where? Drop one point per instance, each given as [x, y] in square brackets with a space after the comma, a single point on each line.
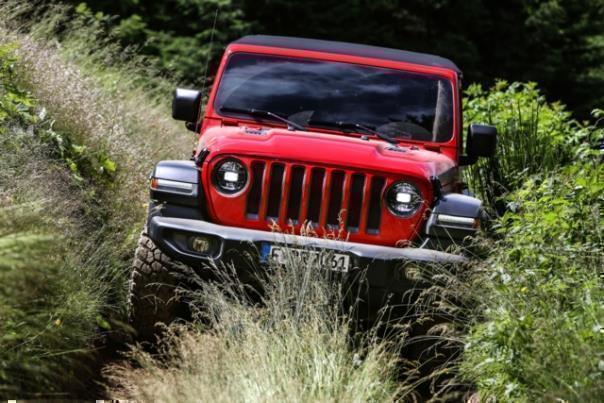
[185, 106]
[481, 142]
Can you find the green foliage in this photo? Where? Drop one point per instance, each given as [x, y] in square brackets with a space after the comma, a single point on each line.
[534, 136]
[187, 44]
[80, 126]
[80, 160]
[48, 306]
[558, 43]
[17, 106]
[538, 333]
[542, 337]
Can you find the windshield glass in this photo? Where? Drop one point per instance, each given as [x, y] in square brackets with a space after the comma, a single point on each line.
[309, 92]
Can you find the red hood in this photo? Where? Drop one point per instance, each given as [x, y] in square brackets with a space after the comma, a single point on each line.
[376, 162]
[328, 150]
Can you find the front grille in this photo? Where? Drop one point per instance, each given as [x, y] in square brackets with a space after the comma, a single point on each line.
[331, 198]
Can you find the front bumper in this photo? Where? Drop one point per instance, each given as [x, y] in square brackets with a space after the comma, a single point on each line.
[230, 245]
[381, 275]
[164, 229]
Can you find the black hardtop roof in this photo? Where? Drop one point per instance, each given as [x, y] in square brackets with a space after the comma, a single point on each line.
[347, 48]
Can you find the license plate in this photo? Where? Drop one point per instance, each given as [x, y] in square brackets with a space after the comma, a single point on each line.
[334, 261]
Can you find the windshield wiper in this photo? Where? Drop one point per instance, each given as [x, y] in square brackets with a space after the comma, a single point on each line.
[353, 125]
[266, 114]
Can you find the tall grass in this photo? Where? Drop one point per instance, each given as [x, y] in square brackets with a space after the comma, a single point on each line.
[536, 333]
[101, 115]
[103, 102]
[293, 343]
[534, 136]
[297, 334]
[539, 335]
[48, 307]
[79, 133]
[50, 300]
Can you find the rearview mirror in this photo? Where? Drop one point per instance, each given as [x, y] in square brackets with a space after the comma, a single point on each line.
[185, 106]
[481, 142]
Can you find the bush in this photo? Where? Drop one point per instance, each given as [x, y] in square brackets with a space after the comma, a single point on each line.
[536, 333]
[534, 137]
[540, 334]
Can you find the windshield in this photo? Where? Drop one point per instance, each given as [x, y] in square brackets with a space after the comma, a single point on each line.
[315, 93]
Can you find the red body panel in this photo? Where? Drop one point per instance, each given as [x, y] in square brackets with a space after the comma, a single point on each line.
[416, 162]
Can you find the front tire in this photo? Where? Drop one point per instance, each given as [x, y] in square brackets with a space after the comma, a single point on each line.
[153, 297]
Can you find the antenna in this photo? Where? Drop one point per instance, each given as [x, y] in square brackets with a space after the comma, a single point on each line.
[205, 74]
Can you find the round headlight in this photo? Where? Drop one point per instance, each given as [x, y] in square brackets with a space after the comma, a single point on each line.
[403, 199]
[230, 176]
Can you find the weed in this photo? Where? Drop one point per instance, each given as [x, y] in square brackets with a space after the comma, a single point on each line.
[292, 343]
[77, 140]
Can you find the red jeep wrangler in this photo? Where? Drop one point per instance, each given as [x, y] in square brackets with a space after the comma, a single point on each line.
[360, 141]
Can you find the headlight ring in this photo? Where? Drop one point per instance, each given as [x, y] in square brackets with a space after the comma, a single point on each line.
[230, 176]
[403, 199]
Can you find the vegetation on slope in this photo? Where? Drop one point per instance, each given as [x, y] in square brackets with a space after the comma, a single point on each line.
[559, 43]
[49, 302]
[76, 148]
[540, 334]
[291, 344]
[72, 194]
[537, 334]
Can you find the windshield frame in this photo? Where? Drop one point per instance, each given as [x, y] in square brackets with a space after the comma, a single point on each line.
[449, 75]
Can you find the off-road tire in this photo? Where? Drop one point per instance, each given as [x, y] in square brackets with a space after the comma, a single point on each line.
[153, 297]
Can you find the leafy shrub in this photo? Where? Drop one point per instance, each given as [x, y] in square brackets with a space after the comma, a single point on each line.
[537, 332]
[534, 136]
[541, 334]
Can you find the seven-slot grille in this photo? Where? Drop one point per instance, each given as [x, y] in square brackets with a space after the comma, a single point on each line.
[325, 197]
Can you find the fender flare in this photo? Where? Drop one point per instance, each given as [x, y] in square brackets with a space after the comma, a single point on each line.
[176, 182]
[455, 216]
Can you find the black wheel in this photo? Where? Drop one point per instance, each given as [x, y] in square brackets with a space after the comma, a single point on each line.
[153, 295]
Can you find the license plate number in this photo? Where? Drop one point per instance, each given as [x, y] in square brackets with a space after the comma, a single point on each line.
[334, 261]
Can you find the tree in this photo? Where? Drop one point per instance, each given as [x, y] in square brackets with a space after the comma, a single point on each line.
[185, 35]
[558, 43]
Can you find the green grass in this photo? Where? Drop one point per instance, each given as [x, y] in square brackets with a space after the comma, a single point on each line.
[536, 334]
[82, 123]
[534, 136]
[49, 307]
[293, 344]
[77, 144]
[50, 301]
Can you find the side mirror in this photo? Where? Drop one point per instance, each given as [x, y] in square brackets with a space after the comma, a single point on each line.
[185, 106]
[481, 142]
